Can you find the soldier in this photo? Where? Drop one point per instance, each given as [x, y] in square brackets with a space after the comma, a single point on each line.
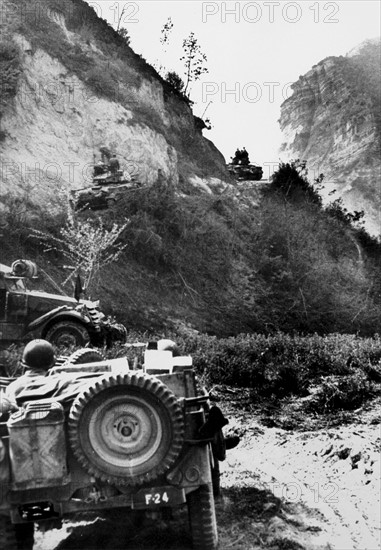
[114, 164]
[38, 357]
[237, 156]
[244, 157]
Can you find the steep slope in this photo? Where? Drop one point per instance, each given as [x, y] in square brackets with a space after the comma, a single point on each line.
[332, 120]
[73, 86]
[199, 253]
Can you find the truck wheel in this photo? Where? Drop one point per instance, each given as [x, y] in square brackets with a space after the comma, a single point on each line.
[16, 536]
[68, 333]
[202, 518]
[126, 429]
[85, 355]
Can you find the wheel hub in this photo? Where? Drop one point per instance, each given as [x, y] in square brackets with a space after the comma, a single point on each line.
[66, 339]
[126, 431]
[126, 428]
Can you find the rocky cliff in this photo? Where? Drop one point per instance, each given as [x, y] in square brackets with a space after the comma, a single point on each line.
[70, 85]
[332, 120]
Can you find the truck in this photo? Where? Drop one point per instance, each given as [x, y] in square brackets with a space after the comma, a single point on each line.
[136, 437]
[62, 320]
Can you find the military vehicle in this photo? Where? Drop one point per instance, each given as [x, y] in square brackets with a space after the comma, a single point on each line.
[61, 319]
[248, 172]
[107, 188]
[114, 435]
[241, 168]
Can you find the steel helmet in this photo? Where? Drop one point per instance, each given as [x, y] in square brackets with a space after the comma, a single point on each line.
[38, 354]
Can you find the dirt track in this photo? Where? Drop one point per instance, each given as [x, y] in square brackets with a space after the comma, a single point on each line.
[283, 489]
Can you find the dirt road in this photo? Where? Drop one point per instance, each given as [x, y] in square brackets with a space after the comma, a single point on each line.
[283, 489]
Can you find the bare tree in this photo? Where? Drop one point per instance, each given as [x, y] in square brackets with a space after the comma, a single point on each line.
[122, 31]
[194, 61]
[88, 245]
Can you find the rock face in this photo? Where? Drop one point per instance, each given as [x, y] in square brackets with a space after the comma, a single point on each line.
[332, 120]
[80, 87]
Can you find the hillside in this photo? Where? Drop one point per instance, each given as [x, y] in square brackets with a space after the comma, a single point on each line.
[332, 120]
[74, 85]
[202, 253]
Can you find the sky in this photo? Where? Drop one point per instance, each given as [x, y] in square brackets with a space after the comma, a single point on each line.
[254, 50]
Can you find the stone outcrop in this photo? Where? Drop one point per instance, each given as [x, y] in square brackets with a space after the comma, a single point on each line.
[332, 120]
[80, 87]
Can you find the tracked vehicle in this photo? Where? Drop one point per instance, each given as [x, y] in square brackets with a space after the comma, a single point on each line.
[104, 193]
[249, 172]
[107, 188]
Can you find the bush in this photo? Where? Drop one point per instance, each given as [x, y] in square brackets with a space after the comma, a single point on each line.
[176, 82]
[283, 365]
[102, 83]
[290, 180]
[342, 393]
[342, 367]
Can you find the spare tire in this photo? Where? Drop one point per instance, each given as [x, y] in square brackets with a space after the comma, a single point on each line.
[126, 429]
[85, 355]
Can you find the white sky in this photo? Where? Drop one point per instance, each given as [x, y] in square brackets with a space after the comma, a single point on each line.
[253, 48]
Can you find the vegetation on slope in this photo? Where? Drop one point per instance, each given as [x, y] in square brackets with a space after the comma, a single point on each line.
[212, 261]
[224, 267]
[9, 70]
[290, 265]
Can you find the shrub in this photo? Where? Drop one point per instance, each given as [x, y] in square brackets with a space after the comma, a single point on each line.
[176, 86]
[102, 83]
[175, 81]
[342, 393]
[290, 180]
[283, 365]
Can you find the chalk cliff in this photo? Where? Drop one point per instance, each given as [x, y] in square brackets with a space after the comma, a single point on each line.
[333, 121]
[73, 85]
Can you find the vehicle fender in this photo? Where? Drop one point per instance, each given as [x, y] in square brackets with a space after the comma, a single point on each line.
[56, 314]
[194, 468]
